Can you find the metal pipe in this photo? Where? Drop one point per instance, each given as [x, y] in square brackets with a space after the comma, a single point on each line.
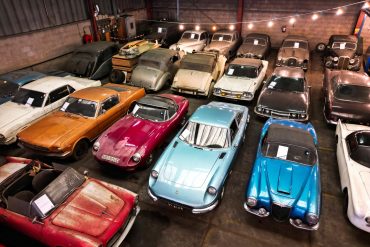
[239, 15]
[178, 10]
[149, 9]
[94, 25]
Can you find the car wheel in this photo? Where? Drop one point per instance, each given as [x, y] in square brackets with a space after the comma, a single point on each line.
[117, 76]
[345, 202]
[80, 150]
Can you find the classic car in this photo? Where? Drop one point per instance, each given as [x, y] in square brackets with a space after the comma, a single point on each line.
[191, 41]
[285, 95]
[83, 116]
[294, 52]
[242, 79]
[285, 178]
[353, 149]
[198, 72]
[34, 101]
[367, 61]
[342, 52]
[255, 45]
[63, 207]
[155, 69]
[225, 42]
[346, 96]
[134, 140]
[92, 60]
[136, 48]
[10, 82]
[192, 171]
[164, 34]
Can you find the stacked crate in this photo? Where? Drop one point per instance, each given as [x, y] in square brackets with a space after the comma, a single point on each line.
[124, 64]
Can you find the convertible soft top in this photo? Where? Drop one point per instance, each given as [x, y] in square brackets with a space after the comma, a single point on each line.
[159, 54]
[284, 134]
[199, 59]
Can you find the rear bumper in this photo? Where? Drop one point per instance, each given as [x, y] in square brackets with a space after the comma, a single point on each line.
[189, 91]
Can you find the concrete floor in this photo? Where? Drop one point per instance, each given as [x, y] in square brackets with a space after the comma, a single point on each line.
[229, 224]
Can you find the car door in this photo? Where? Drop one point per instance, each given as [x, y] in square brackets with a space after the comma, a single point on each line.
[110, 111]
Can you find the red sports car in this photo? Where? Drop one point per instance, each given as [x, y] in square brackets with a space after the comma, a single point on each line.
[64, 208]
[132, 141]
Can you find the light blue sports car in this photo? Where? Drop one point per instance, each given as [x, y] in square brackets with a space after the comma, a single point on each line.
[191, 172]
[285, 180]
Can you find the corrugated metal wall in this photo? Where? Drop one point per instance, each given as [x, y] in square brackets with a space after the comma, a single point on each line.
[113, 7]
[19, 16]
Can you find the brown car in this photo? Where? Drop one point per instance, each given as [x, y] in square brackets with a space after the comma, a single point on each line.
[347, 96]
[84, 115]
[285, 95]
[294, 52]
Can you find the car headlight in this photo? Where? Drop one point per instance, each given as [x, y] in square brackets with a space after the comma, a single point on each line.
[259, 109]
[251, 202]
[352, 61]
[96, 146]
[335, 59]
[267, 111]
[217, 90]
[136, 157]
[212, 190]
[303, 115]
[294, 115]
[259, 56]
[312, 219]
[247, 94]
[154, 174]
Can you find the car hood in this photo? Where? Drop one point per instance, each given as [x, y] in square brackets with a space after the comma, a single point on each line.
[144, 76]
[11, 113]
[300, 54]
[253, 49]
[186, 42]
[355, 110]
[218, 45]
[283, 101]
[54, 129]
[236, 84]
[91, 211]
[343, 52]
[185, 79]
[286, 180]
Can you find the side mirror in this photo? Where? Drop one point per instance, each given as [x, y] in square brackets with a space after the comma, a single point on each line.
[35, 220]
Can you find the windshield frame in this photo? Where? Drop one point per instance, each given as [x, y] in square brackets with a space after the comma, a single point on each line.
[345, 48]
[167, 113]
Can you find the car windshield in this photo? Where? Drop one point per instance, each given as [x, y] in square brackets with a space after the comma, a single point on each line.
[29, 97]
[255, 41]
[56, 192]
[82, 107]
[150, 112]
[189, 35]
[150, 63]
[207, 136]
[286, 84]
[344, 45]
[295, 44]
[359, 146]
[353, 93]
[221, 37]
[7, 88]
[242, 71]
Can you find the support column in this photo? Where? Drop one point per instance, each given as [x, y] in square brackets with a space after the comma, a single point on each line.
[90, 7]
[149, 9]
[239, 15]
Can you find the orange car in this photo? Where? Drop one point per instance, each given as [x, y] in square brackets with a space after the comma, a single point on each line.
[84, 115]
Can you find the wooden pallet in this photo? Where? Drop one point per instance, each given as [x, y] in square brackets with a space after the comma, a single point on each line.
[118, 60]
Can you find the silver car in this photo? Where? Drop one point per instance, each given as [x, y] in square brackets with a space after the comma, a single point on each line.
[225, 42]
[155, 68]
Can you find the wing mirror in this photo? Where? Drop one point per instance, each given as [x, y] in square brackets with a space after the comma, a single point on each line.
[36, 220]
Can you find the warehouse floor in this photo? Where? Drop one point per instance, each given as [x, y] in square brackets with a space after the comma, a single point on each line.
[229, 225]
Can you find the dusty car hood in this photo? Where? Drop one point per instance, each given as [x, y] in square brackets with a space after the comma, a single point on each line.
[54, 129]
[343, 52]
[359, 110]
[12, 113]
[283, 101]
[300, 54]
[187, 42]
[236, 84]
[144, 76]
[192, 79]
[254, 49]
[91, 211]
[218, 45]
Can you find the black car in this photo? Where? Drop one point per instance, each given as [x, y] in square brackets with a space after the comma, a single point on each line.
[165, 34]
[342, 52]
[255, 45]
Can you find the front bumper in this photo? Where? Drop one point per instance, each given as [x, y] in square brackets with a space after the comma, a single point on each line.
[281, 115]
[202, 210]
[189, 91]
[8, 140]
[233, 95]
[303, 66]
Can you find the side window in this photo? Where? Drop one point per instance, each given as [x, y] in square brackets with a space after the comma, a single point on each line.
[108, 104]
[70, 89]
[238, 118]
[203, 36]
[58, 94]
[233, 130]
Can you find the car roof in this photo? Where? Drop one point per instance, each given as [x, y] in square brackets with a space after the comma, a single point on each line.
[158, 54]
[97, 94]
[343, 38]
[247, 61]
[21, 76]
[257, 35]
[290, 72]
[296, 37]
[158, 102]
[47, 84]
[195, 31]
[283, 134]
[213, 115]
[225, 32]
[353, 78]
[95, 47]
[198, 58]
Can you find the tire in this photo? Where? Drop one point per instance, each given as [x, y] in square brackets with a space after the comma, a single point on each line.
[345, 203]
[117, 76]
[320, 47]
[80, 150]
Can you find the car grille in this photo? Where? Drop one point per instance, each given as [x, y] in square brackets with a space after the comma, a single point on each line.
[292, 62]
[343, 62]
[34, 147]
[280, 213]
[228, 92]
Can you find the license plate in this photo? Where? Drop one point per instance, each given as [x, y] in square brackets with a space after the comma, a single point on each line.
[110, 158]
[175, 206]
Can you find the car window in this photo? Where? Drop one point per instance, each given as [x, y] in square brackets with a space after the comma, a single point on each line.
[242, 71]
[80, 107]
[203, 36]
[190, 35]
[344, 45]
[29, 97]
[295, 44]
[57, 94]
[152, 113]
[238, 118]
[255, 41]
[286, 84]
[109, 103]
[233, 130]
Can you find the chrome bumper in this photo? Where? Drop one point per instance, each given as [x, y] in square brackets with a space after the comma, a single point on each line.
[304, 226]
[127, 229]
[255, 211]
[188, 91]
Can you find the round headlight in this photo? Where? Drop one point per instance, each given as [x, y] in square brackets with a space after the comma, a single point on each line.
[267, 111]
[259, 56]
[303, 115]
[312, 219]
[251, 201]
[259, 109]
[154, 174]
[217, 90]
[262, 211]
[212, 190]
[136, 157]
[352, 61]
[367, 219]
[335, 59]
[96, 146]
[294, 115]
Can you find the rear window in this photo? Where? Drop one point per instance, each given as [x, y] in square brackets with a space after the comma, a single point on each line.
[295, 44]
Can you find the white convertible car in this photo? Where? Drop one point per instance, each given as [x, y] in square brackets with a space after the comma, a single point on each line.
[242, 79]
[35, 100]
[353, 155]
[191, 41]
